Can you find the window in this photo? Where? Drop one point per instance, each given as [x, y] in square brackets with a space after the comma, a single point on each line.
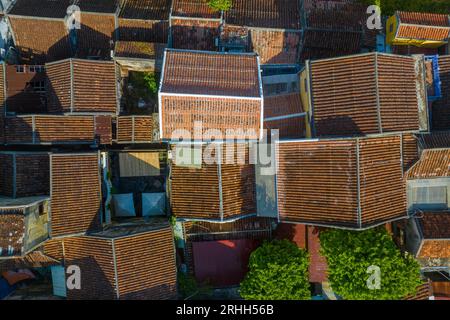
[37, 86]
[20, 69]
[425, 198]
[391, 28]
[36, 69]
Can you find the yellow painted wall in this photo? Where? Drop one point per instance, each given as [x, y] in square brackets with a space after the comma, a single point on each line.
[391, 29]
[304, 96]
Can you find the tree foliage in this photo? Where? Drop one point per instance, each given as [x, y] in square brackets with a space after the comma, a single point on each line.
[388, 7]
[220, 5]
[349, 255]
[278, 270]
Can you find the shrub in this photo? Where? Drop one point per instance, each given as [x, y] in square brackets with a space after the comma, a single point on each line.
[349, 254]
[278, 270]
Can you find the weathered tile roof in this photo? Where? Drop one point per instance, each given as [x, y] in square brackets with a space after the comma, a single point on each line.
[35, 259]
[357, 183]
[435, 225]
[58, 9]
[428, 26]
[58, 129]
[38, 48]
[146, 9]
[343, 15]
[285, 105]
[214, 192]
[75, 202]
[368, 93]
[95, 36]
[276, 47]
[441, 108]
[193, 9]
[279, 14]
[135, 129]
[143, 30]
[221, 90]
[436, 139]
[207, 73]
[77, 85]
[194, 34]
[24, 174]
[318, 44]
[139, 50]
[133, 266]
[433, 163]
[41, 8]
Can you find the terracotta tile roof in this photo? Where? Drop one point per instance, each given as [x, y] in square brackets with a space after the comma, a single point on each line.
[433, 163]
[193, 9]
[195, 34]
[38, 48]
[41, 8]
[35, 259]
[284, 105]
[334, 15]
[423, 292]
[93, 88]
[276, 47]
[143, 30]
[437, 139]
[58, 129]
[95, 36]
[133, 266]
[204, 73]
[75, 202]
[192, 82]
[280, 14]
[345, 91]
[330, 168]
[12, 232]
[435, 225]
[58, 9]
[146, 9]
[425, 19]
[428, 26]
[441, 108]
[318, 44]
[195, 192]
[24, 174]
[139, 50]
[434, 252]
[135, 129]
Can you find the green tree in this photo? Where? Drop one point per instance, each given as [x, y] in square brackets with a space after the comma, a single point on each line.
[388, 7]
[278, 270]
[349, 255]
[220, 5]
